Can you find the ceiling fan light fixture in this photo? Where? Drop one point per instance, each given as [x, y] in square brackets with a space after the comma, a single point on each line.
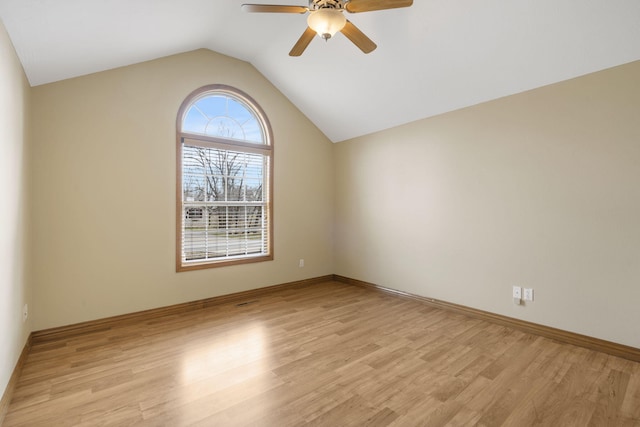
[326, 22]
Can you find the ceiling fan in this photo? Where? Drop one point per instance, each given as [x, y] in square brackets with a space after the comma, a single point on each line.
[326, 17]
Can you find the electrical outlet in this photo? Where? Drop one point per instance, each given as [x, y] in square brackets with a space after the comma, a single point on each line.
[25, 312]
[301, 263]
[517, 292]
[528, 294]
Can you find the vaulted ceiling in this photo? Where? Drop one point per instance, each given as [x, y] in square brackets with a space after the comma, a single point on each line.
[433, 57]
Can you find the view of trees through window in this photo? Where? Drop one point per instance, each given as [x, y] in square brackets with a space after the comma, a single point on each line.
[223, 194]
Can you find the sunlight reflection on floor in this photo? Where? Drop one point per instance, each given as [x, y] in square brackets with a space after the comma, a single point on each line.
[223, 371]
[223, 353]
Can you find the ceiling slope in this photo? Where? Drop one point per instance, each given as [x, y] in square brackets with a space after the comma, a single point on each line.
[433, 57]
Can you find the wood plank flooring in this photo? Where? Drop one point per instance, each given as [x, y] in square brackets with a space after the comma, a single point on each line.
[323, 355]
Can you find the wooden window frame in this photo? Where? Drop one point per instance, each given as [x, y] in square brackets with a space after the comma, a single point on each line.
[265, 149]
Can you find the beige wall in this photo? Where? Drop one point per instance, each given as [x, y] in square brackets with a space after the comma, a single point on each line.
[14, 288]
[104, 191]
[540, 189]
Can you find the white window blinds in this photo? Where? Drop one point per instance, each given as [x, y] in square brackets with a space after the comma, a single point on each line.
[224, 210]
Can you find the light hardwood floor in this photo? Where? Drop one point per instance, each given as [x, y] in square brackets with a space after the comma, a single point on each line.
[326, 355]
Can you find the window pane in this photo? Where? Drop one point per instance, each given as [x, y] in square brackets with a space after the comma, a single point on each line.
[213, 105]
[220, 175]
[213, 232]
[253, 190]
[194, 188]
[195, 121]
[223, 117]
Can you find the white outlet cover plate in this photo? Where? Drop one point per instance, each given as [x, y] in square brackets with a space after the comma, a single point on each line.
[517, 292]
[528, 294]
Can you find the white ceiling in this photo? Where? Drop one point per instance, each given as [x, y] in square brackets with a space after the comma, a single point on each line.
[436, 56]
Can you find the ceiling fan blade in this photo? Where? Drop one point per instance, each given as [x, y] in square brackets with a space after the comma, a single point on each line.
[302, 42]
[355, 6]
[358, 38]
[273, 8]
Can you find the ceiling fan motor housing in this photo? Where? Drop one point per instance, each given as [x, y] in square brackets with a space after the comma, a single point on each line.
[326, 4]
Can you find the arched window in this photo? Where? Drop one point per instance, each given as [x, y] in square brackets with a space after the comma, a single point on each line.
[224, 180]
